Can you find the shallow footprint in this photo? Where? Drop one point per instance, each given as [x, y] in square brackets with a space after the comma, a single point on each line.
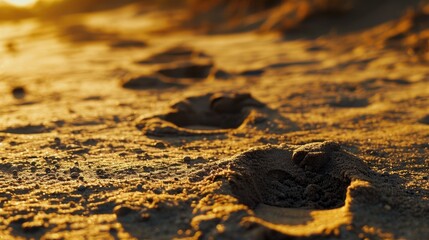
[142, 82]
[128, 44]
[28, 129]
[349, 102]
[190, 70]
[175, 54]
[206, 114]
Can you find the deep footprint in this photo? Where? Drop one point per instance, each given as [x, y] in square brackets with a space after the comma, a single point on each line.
[313, 176]
[203, 114]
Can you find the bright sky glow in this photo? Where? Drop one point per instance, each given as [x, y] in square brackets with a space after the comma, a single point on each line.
[21, 3]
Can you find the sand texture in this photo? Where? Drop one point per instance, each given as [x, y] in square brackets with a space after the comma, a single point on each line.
[112, 127]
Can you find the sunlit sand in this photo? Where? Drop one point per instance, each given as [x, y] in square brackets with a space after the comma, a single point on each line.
[214, 120]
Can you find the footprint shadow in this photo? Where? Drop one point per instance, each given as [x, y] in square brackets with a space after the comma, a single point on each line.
[27, 226]
[144, 223]
[145, 82]
[188, 70]
[424, 120]
[127, 44]
[28, 129]
[174, 54]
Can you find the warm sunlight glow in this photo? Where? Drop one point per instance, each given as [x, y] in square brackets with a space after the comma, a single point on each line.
[21, 3]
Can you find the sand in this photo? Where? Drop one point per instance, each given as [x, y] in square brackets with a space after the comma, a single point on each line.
[113, 129]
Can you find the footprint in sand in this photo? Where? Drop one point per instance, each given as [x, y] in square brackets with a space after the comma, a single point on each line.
[313, 176]
[128, 44]
[424, 120]
[188, 70]
[28, 129]
[173, 75]
[182, 62]
[289, 191]
[143, 82]
[206, 114]
[175, 54]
